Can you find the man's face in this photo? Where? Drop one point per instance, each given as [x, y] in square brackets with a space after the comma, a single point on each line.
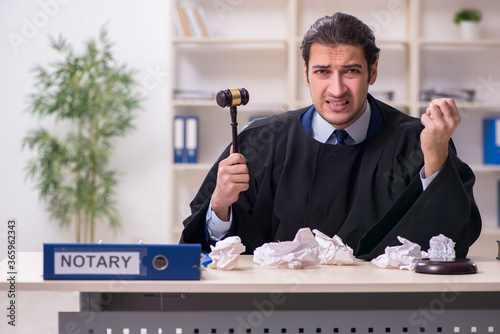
[338, 81]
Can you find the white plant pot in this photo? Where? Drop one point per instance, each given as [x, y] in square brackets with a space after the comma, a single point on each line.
[469, 29]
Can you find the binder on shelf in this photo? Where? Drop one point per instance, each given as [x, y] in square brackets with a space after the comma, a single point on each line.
[498, 215]
[491, 142]
[185, 139]
[179, 139]
[121, 262]
[191, 142]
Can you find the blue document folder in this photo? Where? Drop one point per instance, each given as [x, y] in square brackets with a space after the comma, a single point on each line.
[121, 261]
[191, 143]
[491, 145]
[179, 139]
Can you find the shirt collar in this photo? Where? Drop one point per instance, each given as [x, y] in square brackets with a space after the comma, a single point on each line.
[322, 130]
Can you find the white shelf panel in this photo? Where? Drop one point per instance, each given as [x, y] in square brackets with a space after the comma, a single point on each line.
[460, 43]
[485, 168]
[181, 167]
[250, 107]
[390, 43]
[229, 40]
[194, 103]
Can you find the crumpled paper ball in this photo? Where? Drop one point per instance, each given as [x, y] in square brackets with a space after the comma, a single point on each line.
[302, 252]
[404, 256]
[440, 248]
[333, 250]
[226, 253]
[407, 255]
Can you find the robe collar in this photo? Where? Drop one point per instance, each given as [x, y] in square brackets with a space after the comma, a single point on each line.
[376, 120]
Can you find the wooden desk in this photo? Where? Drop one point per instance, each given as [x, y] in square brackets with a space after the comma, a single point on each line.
[249, 277]
[324, 299]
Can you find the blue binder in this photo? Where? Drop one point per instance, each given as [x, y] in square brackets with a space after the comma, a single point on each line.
[491, 144]
[179, 139]
[191, 143]
[121, 262]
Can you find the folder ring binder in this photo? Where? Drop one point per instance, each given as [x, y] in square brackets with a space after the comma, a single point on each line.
[160, 262]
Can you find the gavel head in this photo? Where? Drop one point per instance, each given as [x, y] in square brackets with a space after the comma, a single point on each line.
[232, 97]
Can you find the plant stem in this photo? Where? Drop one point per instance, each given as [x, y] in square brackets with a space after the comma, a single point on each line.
[77, 227]
[77, 181]
[94, 140]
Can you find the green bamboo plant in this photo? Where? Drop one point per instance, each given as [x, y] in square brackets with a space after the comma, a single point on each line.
[95, 98]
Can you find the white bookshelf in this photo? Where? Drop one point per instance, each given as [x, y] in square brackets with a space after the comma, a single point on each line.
[230, 40]
[256, 46]
[485, 168]
[460, 43]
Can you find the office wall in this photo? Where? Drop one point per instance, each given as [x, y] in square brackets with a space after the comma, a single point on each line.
[140, 31]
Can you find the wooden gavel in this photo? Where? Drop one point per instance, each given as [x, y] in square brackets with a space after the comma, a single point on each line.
[232, 98]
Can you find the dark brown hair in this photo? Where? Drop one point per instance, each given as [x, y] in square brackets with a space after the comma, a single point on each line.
[339, 29]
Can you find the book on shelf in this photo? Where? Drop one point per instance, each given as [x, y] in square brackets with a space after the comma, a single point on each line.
[192, 22]
[205, 25]
[177, 23]
[180, 18]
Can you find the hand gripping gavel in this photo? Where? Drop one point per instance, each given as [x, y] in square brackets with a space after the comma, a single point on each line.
[232, 98]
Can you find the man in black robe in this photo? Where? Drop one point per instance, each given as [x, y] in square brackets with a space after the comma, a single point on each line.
[348, 165]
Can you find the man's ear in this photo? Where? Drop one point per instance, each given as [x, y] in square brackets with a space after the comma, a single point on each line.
[306, 75]
[373, 73]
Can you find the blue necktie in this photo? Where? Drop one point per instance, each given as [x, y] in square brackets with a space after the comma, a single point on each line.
[341, 136]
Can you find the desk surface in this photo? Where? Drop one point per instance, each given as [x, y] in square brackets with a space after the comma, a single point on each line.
[249, 277]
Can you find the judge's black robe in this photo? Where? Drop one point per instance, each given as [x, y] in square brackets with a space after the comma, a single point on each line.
[368, 194]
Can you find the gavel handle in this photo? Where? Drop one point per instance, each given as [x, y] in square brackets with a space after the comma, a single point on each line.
[234, 126]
